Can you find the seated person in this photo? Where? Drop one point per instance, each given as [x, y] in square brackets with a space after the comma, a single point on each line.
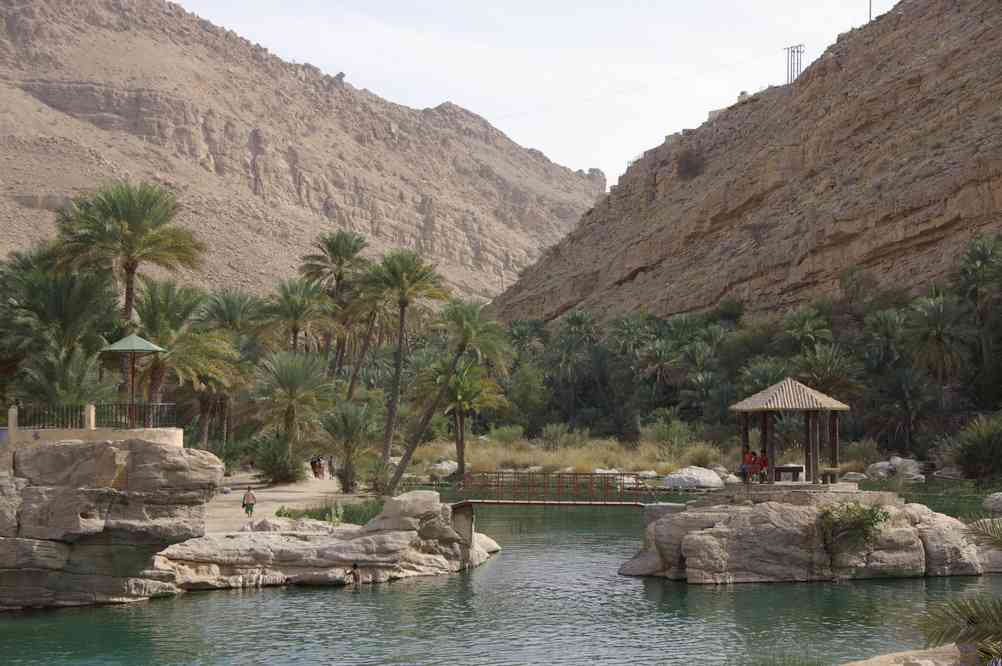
[763, 463]
[749, 466]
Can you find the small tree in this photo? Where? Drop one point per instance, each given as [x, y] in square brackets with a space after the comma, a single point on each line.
[351, 429]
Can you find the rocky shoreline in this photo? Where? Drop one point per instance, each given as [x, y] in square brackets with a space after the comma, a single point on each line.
[85, 523]
[768, 537]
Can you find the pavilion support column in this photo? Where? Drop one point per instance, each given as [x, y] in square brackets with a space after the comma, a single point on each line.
[808, 449]
[816, 439]
[766, 438]
[833, 437]
[745, 427]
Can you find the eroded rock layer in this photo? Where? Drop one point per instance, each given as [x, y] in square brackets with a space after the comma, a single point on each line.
[80, 522]
[774, 541]
[885, 154]
[414, 536]
[265, 154]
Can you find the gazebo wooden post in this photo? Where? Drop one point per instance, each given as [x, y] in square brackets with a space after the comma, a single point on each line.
[766, 437]
[808, 449]
[745, 426]
[816, 447]
[833, 436]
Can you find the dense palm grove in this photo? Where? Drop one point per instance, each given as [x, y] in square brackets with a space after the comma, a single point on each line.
[369, 359]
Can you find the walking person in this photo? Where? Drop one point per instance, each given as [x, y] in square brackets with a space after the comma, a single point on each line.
[248, 503]
[354, 575]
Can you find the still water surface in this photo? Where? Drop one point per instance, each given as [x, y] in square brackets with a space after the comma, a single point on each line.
[551, 597]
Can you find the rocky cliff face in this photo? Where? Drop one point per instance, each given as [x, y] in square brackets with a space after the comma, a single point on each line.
[80, 523]
[265, 154]
[885, 154]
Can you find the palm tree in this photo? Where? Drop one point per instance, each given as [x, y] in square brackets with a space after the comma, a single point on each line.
[295, 307]
[63, 377]
[829, 369]
[374, 306]
[470, 332]
[760, 373]
[939, 336]
[295, 390]
[528, 338]
[978, 280]
[973, 620]
[169, 315]
[903, 396]
[661, 360]
[120, 228]
[238, 312]
[806, 327]
[338, 257]
[631, 334]
[469, 391]
[405, 278]
[62, 311]
[351, 428]
[884, 339]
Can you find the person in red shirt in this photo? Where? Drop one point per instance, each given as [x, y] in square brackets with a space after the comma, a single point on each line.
[763, 464]
[749, 466]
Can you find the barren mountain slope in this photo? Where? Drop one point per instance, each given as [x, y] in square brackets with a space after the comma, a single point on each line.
[886, 154]
[264, 154]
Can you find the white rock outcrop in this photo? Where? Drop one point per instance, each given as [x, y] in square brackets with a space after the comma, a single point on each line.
[413, 536]
[776, 542]
[80, 522]
[854, 477]
[693, 477]
[444, 468]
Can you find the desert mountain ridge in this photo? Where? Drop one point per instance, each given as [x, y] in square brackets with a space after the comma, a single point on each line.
[885, 154]
[264, 154]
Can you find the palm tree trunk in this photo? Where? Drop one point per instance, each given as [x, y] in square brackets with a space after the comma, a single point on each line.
[460, 443]
[204, 418]
[369, 329]
[127, 309]
[415, 438]
[295, 340]
[391, 409]
[156, 383]
[225, 400]
[290, 426]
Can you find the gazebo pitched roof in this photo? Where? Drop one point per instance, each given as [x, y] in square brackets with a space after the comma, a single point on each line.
[789, 396]
[133, 343]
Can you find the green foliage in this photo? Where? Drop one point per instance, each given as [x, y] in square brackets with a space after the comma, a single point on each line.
[850, 524]
[337, 513]
[978, 448]
[275, 462]
[864, 451]
[507, 434]
[966, 620]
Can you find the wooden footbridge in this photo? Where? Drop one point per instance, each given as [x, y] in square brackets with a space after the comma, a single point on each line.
[549, 490]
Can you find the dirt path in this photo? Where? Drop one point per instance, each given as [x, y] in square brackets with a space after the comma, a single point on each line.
[225, 513]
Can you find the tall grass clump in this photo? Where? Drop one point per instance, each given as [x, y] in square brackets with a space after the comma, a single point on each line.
[701, 454]
[336, 513]
[274, 462]
[557, 436]
[506, 434]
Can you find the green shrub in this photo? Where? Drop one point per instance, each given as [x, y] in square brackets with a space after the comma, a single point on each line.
[357, 513]
[273, 461]
[850, 523]
[978, 448]
[675, 434]
[507, 434]
[559, 436]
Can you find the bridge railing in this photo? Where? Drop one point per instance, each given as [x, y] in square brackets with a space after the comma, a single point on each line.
[622, 487]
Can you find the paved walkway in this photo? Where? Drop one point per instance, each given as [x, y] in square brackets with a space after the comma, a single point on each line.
[225, 513]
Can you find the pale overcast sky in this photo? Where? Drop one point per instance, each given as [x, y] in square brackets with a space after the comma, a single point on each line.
[591, 84]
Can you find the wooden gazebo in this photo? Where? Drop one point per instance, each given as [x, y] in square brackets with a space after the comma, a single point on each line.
[791, 396]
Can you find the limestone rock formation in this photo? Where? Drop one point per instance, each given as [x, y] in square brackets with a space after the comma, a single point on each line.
[413, 536]
[694, 477]
[777, 542]
[80, 522]
[885, 154]
[265, 154]
[993, 504]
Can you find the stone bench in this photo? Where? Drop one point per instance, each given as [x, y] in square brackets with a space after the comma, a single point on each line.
[780, 470]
